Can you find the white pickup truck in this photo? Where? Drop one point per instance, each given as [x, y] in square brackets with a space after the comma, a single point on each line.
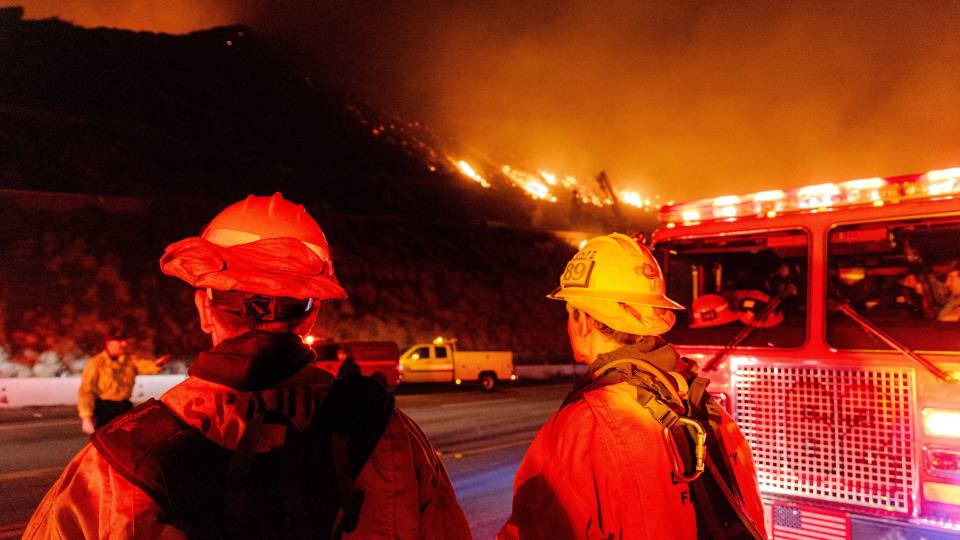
[441, 362]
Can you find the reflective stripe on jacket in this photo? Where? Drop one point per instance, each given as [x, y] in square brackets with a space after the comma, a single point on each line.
[407, 492]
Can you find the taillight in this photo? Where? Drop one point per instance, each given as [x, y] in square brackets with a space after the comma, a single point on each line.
[941, 423]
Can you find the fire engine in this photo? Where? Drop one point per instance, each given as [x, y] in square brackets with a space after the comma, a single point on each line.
[826, 319]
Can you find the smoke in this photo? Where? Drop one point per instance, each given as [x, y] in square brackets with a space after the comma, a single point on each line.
[680, 99]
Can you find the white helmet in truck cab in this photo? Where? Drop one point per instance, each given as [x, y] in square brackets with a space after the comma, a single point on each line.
[619, 283]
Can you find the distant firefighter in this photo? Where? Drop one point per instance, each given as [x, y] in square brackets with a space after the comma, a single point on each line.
[638, 449]
[108, 379]
[257, 442]
[348, 364]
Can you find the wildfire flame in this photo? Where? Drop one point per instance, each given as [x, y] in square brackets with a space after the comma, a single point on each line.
[468, 171]
[529, 182]
[549, 177]
[636, 199]
[539, 184]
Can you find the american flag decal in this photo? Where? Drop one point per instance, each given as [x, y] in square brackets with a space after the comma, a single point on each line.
[800, 523]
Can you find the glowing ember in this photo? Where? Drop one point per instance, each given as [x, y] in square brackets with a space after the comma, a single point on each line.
[529, 182]
[468, 171]
[537, 189]
[632, 198]
[539, 184]
[635, 199]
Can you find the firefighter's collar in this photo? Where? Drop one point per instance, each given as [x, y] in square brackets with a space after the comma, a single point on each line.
[650, 348]
[254, 360]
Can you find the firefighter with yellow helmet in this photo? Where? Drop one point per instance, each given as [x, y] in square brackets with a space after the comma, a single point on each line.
[638, 449]
[257, 442]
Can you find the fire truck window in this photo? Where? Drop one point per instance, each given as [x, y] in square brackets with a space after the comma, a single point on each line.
[903, 277]
[441, 352]
[745, 290]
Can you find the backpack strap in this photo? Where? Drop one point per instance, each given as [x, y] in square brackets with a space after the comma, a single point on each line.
[707, 517]
[687, 425]
[175, 465]
[355, 414]
[638, 374]
[205, 490]
[236, 518]
[657, 392]
[126, 444]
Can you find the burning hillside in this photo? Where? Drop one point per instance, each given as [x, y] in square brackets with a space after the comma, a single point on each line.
[419, 141]
[217, 112]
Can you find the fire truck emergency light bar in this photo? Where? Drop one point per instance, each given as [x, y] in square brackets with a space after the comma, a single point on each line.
[940, 184]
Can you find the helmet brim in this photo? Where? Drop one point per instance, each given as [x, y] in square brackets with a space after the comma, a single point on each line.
[272, 267]
[726, 318]
[640, 299]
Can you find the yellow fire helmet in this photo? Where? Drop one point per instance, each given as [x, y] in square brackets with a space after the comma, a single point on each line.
[619, 283]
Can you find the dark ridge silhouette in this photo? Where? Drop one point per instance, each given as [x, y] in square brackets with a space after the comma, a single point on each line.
[218, 112]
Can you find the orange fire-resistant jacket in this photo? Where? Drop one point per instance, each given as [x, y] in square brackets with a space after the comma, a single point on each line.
[407, 492]
[111, 379]
[600, 468]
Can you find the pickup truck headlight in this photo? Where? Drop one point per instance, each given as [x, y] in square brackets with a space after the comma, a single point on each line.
[941, 423]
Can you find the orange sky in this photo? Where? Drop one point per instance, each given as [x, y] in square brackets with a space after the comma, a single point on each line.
[174, 16]
[683, 99]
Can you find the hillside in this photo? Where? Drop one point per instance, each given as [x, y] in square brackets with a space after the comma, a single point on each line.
[219, 112]
[115, 143]
[91, 262]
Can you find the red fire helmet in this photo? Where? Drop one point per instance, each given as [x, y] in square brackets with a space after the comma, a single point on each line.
[711, 310]
[263, 245]
[750, 304]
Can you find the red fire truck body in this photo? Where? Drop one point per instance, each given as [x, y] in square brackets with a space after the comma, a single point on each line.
[377, 359]
[849, 397]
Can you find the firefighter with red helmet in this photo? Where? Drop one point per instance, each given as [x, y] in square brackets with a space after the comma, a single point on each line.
[257, 441]
[638, 449]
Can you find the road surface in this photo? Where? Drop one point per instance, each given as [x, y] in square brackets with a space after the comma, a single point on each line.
[482, 438]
